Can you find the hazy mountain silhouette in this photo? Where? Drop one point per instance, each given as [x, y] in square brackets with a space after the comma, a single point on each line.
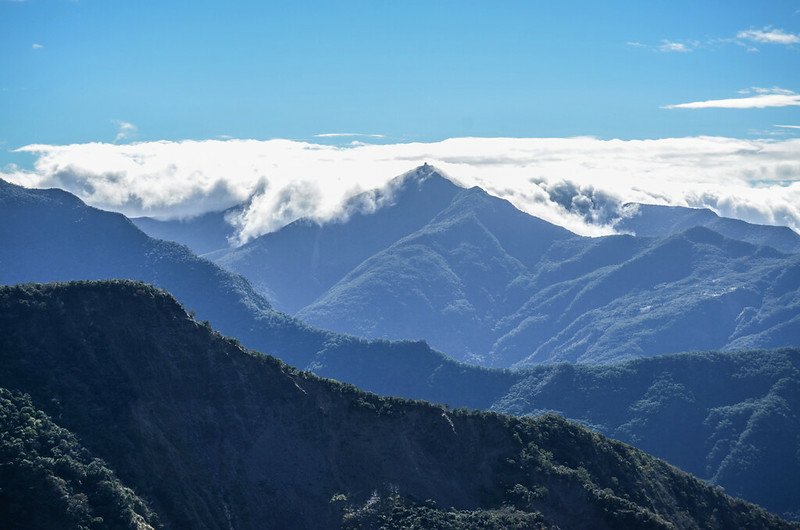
[203, 233]
[297, 264]
[449, 282]
[486, 283]
[490, 284]
[695, 290]
[651, 220]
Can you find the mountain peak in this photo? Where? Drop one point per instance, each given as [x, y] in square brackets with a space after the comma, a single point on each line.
[420, 175]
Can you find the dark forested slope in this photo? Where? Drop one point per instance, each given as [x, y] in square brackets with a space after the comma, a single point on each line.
[731, 418]
[215, 436]
[48, 480]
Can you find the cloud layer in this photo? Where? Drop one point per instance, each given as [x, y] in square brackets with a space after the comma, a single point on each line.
[578, 183]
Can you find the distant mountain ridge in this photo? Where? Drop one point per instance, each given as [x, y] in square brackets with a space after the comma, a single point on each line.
[480, 280]
[650, 220]
[297, 264]
[214, 436]
[491, 285]
[203, 234]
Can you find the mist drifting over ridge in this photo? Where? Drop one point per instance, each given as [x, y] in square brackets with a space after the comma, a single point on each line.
[579, 183]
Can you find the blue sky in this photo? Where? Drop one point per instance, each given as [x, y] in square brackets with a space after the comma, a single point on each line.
[77, 71]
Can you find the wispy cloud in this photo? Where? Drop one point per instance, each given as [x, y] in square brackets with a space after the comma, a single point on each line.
[788, 126]
[125, 130]
[759, 98]
[667, 46]
[769, 35]
[764, 90]
[37, 46]
[348, 135]
[744, 38]
[577, 183]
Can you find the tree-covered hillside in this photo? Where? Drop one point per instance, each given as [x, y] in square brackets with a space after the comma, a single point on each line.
[730, 418]
[216, 436]
[48, 480]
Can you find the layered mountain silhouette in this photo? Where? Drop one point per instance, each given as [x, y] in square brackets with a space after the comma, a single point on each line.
[49, 235]
[202, 234]
[210, 435]
[650, 220]
[488, 284]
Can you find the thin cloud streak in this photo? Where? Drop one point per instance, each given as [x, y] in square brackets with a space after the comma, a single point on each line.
[578, 183]
[769, 35]
[348, 135]
[761, 100]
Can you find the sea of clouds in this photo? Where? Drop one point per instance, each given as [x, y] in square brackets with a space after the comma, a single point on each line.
[579, 183]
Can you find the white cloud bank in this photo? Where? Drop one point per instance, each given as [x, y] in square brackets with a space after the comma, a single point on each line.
[578, 183]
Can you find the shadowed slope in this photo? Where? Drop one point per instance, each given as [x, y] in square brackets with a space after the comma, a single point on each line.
[215, 436]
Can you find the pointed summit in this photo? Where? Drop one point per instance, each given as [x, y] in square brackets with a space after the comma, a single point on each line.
[421, 173]
[425, 178]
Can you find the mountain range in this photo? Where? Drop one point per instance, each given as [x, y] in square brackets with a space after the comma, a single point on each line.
[491, 285]
[49, 235]
[52, 236]
[202, 433]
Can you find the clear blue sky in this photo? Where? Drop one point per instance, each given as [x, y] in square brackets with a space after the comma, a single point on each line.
[70, 71]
